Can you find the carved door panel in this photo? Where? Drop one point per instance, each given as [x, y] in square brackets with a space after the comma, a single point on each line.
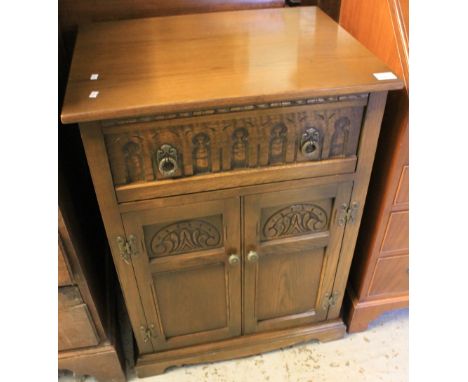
[291, 248]
[188, 271]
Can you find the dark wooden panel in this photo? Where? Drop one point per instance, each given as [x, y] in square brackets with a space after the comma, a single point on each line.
[76, 327]
[73, 13]
[330, 7]
[64, 276]
[85, 254]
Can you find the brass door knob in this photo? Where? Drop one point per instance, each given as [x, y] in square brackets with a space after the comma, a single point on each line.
[234, 259]
[252, 256]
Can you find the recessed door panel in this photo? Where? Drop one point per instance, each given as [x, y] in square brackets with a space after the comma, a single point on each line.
[282, 280]
[192, 300]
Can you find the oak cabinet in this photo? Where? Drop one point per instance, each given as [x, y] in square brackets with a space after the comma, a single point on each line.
[230, 183]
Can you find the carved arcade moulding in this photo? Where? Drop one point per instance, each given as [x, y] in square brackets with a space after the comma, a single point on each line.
[147, 152]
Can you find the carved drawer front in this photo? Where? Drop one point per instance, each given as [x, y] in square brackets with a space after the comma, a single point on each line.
[187, 264]
[157, 148]
[76, 328]
[293, 240]
[391, 276]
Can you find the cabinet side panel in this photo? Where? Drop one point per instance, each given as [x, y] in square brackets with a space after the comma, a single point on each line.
[100, 172]
[366, 153]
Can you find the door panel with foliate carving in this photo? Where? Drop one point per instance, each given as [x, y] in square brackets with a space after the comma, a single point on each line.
[188, 270]
[292, 242]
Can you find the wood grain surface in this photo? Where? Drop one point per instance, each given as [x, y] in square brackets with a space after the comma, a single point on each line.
[187, 62]
[378, 280]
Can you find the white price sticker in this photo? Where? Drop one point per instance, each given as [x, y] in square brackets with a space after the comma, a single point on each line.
[93, 94]
[385, 76]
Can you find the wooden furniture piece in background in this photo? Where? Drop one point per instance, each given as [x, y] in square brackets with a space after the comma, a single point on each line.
[330, 7]
[88, 336]
[379, 274]
[74, 13]
[87, 330]
[231, 163]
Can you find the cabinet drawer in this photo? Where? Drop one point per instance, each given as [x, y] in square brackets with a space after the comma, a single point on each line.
[148, 152]
[390, 276]
[75, 327]
[402, 193]
[395, 241]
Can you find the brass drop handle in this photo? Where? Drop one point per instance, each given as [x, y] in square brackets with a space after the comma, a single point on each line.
[166, 158]
[252, 256]
[308, 148]
[234, 259]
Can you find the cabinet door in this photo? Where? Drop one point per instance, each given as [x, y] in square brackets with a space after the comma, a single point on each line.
[188, 269]
[291, 250]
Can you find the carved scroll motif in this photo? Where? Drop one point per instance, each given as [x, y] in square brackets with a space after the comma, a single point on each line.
[296, 219]
[186, 236]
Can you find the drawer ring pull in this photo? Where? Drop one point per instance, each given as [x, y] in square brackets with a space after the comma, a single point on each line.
[166, 158]
[310, 143]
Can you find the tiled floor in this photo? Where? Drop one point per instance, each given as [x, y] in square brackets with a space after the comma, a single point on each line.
[378, 354]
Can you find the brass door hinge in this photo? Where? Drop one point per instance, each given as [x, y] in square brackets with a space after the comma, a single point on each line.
[330, 300]
[127, 248]
[147, 332]
[347, 214]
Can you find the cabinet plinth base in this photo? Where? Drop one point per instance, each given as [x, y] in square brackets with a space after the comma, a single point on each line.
[157, 363]
[358, 314]
[102, 362]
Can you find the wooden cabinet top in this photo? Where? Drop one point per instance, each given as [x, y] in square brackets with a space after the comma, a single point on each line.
[194, 62]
